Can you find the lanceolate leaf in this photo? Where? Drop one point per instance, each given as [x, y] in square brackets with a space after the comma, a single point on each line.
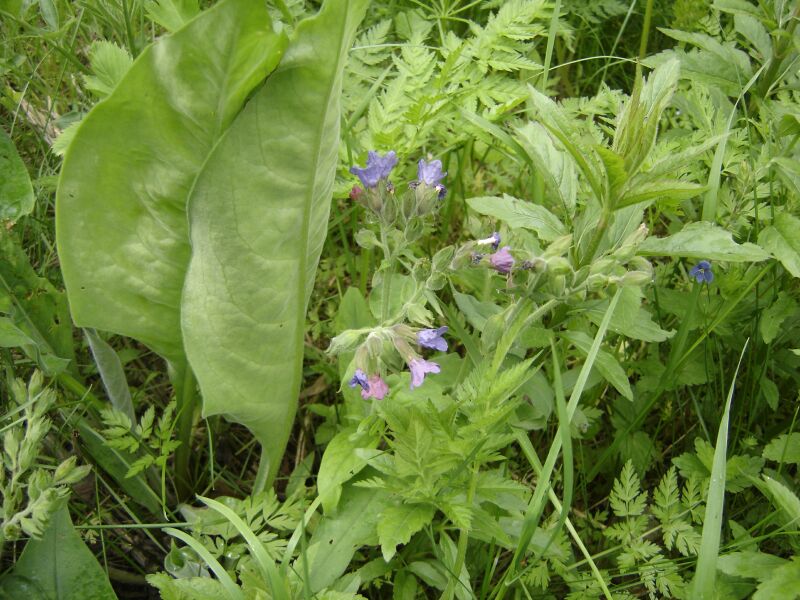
[59, 566]
[258, 218]
[703, 240]
[16, 192]
[121, 222]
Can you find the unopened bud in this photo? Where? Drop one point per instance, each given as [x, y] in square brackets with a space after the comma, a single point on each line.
[558, 265]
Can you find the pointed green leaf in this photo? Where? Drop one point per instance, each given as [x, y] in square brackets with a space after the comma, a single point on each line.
[702, 240]
[258, 217]
[59, 567]
[121, 223]
[398, 523]
[16, 191]
[519, 213]
[782, 240]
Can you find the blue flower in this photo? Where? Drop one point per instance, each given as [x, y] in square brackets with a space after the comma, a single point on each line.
[702, 272]
[432, 338]
[360, 378]
[378, 167]
[430, 173]
[419, 368]
[441, 191]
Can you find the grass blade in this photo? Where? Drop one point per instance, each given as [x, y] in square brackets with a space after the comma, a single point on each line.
[706, 573]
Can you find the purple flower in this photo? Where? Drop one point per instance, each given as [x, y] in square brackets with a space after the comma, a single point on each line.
[502, 261]
[430, 173]
[356, 192]
[360, 378]
[432, 338]
[441, 191]
[493, 239]
[419, 367]
[702, 272]
[378, 167]
[377, 388]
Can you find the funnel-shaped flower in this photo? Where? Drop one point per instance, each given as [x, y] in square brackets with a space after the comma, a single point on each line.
[430, 173]
[432, 338]
[419, 368]
[378, 167]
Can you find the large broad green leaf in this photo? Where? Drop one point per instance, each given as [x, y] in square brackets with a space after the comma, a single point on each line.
[258, 217]
[703, 240]
[57, 567]
[121, 221]
[16, 191]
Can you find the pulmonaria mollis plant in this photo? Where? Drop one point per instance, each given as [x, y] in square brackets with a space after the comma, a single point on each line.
[404, 336]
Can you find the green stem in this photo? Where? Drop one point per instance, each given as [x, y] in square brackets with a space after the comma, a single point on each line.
[263, 472]
[648, 17]
[599, 232]
[186, 393]
[463, 539]
[387, 280]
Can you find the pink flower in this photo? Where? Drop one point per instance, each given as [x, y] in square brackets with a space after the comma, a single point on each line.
[377, 388]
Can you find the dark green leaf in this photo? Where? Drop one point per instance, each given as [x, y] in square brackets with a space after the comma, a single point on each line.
[16, 191]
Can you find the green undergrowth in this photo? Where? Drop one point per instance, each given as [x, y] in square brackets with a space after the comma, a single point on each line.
[214, 394]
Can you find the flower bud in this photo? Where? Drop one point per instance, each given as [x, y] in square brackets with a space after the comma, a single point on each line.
[636, 278]
[596, 282]
[602, 266]
[345, 341]
[366, 238]
[558, 265]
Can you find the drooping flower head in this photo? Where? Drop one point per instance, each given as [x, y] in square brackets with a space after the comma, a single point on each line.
[702, 272]
[377, 388]
[432, 338]
[378, 167]
[502, 261]
[493, 240]
[419, 368]
[430, 173]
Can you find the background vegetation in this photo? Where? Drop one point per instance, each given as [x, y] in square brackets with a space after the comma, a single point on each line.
[608, 422]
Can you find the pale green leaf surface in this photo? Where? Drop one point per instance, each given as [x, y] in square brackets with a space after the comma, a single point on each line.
[16, 191]
[172, 14]
[632, 319]
[749, 564]
[606, 364]
[782, 240]
[258, 217]
[702, 240]
[783, 583]
[121, 222]
[337, 538]
[520, 214]
[340, 463]
[60, 566]
[784, 448]
[398, 523]
[111, 373]
[109, 64]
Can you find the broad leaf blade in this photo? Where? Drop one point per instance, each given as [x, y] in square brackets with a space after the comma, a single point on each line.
[258, 218]
[518, 213]
[121, 221]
